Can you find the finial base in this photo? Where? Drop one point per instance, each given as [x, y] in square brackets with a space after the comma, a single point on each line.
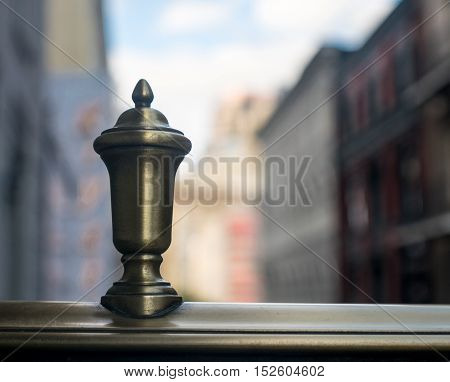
[141, 306]
[141, 292]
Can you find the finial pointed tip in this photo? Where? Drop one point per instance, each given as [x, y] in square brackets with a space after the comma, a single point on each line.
[142, 94]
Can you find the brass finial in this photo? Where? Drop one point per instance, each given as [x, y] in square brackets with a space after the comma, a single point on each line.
[142, 94]
[142, 154]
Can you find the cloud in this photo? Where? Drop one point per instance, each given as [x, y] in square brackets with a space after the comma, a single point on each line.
[291, 15]
[188, 85]
[347, 20]
[193, 16]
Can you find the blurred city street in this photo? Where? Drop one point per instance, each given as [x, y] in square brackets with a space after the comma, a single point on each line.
[320, 169]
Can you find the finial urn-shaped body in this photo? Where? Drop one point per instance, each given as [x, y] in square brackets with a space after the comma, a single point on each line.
[142, 154]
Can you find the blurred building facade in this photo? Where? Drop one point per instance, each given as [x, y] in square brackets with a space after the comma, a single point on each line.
[375, 123]
[213, 256]
[79, 250]
[25, 148]
[54, 209]
[293, 272]
[394, 149]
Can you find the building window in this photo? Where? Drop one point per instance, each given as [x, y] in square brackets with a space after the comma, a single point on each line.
[410, 180]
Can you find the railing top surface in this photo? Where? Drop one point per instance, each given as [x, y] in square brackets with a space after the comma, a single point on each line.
[231, 317]
[55, 330]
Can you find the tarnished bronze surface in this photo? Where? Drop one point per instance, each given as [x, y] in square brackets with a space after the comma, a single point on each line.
[142, 154]
[246, 329]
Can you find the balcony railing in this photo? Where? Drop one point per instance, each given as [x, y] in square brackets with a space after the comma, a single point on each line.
[204, 331]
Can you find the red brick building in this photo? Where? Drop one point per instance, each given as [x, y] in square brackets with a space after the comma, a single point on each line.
[394, 148]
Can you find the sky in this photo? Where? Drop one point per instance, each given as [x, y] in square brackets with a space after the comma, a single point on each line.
[196, 53]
